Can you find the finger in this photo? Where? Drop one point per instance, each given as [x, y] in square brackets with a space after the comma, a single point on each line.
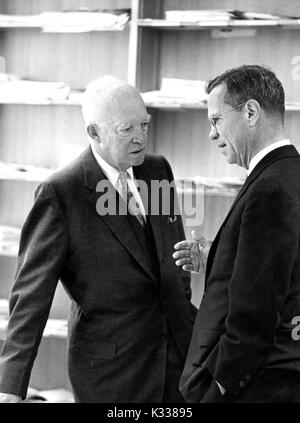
[196, 236]
[201, 241]
[182, 262]
[188, 268]
[182, 254]
[183, 245]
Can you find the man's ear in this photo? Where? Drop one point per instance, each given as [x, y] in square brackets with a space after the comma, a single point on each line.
[253, 111]
[93, 131]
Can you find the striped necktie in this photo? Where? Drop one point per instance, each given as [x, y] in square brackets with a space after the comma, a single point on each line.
[127, 195]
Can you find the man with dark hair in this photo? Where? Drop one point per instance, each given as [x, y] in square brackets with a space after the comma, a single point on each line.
[259, 83]
[244, 347]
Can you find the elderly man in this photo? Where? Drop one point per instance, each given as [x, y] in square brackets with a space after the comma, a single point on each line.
[131, 317]
[244, 347]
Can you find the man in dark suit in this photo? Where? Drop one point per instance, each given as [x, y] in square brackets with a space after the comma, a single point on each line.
[243, 347]
[131, 317]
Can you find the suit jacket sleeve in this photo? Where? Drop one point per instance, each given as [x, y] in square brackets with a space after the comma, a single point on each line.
[267, 246]
[42, 249]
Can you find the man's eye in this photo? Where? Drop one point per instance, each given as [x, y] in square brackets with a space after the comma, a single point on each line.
[214, 121]
[145, 125]
[126, 129]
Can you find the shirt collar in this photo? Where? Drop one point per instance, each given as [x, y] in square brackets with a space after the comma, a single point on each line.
[111, 173]
[261, 154]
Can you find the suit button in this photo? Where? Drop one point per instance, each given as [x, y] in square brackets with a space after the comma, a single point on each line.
[242, 384]
[247, 376]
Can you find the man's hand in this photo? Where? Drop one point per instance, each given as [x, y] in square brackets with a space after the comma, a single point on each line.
[9, 398]
[192, 255]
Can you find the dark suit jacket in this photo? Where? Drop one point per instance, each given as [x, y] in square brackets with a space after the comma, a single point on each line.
[123, 308]
[243, 332]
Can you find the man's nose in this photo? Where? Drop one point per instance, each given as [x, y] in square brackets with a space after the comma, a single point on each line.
[213, 135]
[138, 135]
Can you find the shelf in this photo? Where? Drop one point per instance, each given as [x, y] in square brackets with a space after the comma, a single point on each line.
[154, 100]
[210, 192]
[228, 187]
[235, 23]
[167, 104]
[74, 99]
[21, 172]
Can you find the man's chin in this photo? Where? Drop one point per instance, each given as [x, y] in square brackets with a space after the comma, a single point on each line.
[139, 160]
[230, 159]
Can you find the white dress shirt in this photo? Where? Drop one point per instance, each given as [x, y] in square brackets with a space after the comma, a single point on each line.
[113, 175]
[261, 154]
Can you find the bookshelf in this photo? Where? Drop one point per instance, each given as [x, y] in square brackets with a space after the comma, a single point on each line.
[38, 132]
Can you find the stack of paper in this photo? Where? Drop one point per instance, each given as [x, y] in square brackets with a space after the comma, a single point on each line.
[20, 20]
[33, 92]
[173, 87]
[9, 240]
[200, 15]
[5, 77]
[264, 16]
[207, 16]
[183, 92]
[83, 21]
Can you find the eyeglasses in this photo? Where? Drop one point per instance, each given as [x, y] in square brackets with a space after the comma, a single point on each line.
[215, 120]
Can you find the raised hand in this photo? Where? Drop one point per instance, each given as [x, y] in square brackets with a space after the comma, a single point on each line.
[192, 255]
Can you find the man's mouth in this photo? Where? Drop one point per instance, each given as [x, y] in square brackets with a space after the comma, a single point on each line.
[137, 151]
[222, 145]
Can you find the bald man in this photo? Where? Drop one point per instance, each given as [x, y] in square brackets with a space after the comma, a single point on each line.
[131, 317]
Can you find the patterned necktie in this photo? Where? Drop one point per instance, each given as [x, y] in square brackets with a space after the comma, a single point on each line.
[133, 205]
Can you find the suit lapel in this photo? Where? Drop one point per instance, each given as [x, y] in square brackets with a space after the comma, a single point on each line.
[288, 151]
[94, 179]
